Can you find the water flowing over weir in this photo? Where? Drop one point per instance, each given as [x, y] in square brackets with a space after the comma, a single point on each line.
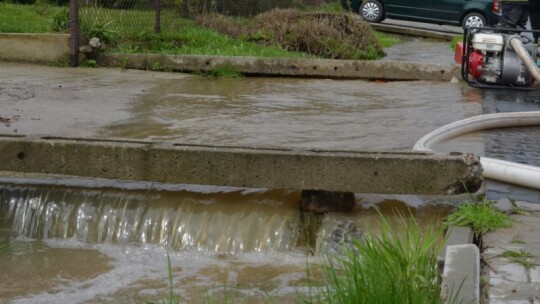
[92, 242]
[177, 220]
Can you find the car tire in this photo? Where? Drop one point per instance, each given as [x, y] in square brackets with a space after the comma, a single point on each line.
[474, 20]
[372, 11]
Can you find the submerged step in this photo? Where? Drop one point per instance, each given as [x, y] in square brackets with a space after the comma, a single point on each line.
[280, 168]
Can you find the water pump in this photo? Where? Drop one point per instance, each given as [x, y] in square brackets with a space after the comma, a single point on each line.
[498, 58]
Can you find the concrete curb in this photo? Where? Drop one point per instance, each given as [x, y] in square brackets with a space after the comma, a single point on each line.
[294, 67]
[408, 31]
[455, 236]
[461, 275]
[459, 263]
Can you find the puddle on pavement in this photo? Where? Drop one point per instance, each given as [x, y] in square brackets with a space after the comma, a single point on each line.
[77, 244]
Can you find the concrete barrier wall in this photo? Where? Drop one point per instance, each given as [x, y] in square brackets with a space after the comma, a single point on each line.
[360, 172]
[34, 47]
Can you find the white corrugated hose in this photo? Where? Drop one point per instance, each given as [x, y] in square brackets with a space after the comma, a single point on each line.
[504, 171]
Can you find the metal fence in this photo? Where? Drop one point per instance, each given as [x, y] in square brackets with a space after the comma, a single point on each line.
[137, 17]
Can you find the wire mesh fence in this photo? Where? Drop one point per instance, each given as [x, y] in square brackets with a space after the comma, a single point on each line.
[128, 18]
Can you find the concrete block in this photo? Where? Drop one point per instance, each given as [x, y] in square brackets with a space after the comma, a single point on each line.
[461, 275]
[357, 172]
[455, 236]
[34, 47]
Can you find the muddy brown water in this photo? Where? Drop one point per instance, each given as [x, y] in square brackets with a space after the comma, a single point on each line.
[86, 243]
[92, 242]
[315, 113]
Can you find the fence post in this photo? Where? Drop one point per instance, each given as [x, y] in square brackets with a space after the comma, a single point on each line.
[157, 27]
[74, 33]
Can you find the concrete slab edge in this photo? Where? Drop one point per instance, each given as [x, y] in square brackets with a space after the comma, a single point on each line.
[408, 31]
[376, 172]
[291, 67]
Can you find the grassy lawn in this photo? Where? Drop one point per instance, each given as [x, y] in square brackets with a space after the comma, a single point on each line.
[132, 31]
[191, 39]
[25, 18]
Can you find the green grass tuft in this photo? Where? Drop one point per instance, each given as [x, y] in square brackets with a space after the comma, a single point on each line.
[481, 216]
[225, 71]
[522, 253]
[397, 266]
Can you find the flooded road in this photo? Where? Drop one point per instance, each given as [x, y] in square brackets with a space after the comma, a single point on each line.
[292, 112]
[258, 246]
[312, 113]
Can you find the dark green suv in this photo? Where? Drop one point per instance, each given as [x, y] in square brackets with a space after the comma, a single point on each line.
[454, 12]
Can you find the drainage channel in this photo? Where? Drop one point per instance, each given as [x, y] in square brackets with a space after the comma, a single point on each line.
[88, 242]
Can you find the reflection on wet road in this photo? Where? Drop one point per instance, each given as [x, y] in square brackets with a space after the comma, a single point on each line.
[329, 114]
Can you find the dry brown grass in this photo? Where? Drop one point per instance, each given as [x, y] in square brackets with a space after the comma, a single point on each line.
[326, 35]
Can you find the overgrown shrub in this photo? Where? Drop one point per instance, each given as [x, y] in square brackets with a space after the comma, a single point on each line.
[328, 35]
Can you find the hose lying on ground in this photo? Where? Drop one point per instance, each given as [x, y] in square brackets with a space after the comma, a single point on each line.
[505, 171]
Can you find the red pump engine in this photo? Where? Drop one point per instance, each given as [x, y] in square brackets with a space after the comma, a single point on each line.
[488, 59]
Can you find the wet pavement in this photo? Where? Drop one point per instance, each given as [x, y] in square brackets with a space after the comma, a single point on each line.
[421, 50]
[425, 26]
[512, 261]
[260, 111]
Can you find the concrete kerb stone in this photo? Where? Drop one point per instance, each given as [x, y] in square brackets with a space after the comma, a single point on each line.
[455, 236]
[461, 275]
[408, 31]
[293, 67]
